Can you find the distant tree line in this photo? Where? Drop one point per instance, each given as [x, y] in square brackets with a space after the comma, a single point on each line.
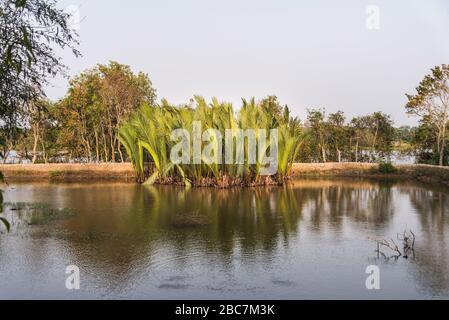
[83, 125]
[367, 138]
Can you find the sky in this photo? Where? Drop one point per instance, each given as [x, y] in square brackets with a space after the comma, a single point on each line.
[352, 55]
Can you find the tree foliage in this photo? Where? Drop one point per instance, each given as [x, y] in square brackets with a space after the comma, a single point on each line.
[30, 31]
[431, 103]
[332, 139]
[99, 100]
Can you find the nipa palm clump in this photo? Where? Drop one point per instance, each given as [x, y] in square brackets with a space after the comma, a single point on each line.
[148, 139]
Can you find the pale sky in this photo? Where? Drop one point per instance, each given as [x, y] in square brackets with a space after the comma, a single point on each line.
[308, 53]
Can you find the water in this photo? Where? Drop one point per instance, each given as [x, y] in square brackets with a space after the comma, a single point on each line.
[306, 240]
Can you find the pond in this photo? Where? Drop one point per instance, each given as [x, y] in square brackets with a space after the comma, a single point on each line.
[309, 239]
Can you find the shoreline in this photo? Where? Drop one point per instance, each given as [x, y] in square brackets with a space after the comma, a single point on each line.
[417, 172]
[124, 172]
[68, 172]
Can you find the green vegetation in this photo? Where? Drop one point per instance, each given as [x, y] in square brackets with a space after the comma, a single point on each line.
[387, 168]
[84, 125]
[38, 213]
[55, 174]
[30, 31]
[431, 103]
[364, 139]
[147, 137]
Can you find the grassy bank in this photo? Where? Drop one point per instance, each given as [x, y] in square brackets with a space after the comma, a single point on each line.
[124, 171]
[68, 172]
[421, 172]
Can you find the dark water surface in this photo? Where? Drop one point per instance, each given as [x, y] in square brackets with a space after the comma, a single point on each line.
[305, 240]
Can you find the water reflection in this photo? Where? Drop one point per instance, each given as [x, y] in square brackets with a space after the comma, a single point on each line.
[329, 201]
[130, 237]
[432, 205]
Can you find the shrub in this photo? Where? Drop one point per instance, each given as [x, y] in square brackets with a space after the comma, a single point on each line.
[387, 168]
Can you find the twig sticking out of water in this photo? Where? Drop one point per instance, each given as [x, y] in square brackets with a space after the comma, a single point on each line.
[408, 245]
[408, 240]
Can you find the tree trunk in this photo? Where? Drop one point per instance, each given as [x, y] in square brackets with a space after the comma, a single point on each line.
[443, 138]
[120, 152]
[112, 143]
[36, 140]
[97, 150]
[87, 149]
[5, 156]
[105, 148]
[323, 152]
[44, 152]
[112, 151]
[443, 145]
[373, 147]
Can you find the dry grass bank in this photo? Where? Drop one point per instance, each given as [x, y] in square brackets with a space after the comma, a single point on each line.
[342, 169]
[124, 172]
[68, 172]
[421, 172]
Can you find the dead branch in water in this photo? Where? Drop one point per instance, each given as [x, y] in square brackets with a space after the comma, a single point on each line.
[408, 240]
[408, 245]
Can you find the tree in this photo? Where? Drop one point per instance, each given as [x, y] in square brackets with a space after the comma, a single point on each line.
[30, 30]
[382, 134]
[318, 133]
[404, 138]
[99, 100]
[338, 133]
[328, 138]
[374, 136]
[121, 92]
[405, 134]
[424, 144]
[10, 134]
[280, 114]
[42, 124]
[271, 105]
[431, 102]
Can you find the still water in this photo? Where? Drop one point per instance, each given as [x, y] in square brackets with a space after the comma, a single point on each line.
[309, 239]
